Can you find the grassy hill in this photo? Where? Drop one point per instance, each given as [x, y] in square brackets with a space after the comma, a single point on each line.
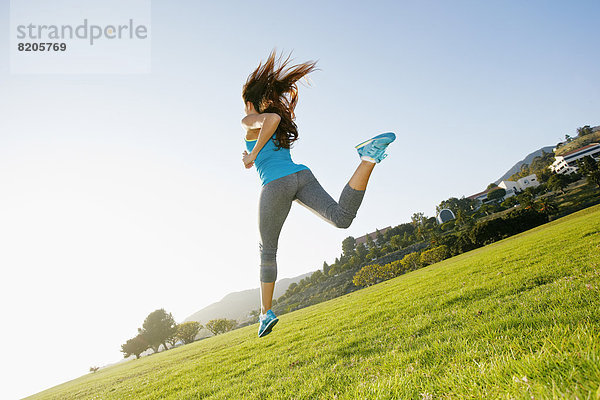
[515, 319]
[578, 142]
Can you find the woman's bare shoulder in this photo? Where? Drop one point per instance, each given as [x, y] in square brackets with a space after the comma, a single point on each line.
[252, 121]
[256, 121]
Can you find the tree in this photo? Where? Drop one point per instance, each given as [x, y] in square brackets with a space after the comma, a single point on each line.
[455, 205]
[348, 246]
[361, 252]
[584, 130]
[373, 253]
[187, 331]
[334, 270]
[136, 345]
[487, 209]
[496, 194]
[396, 242]
[370, 242]
[525, 199]
[379, 237]
[587, 164]
[546, 206]
[461, 218]
[407, 239]
[510, 202]
[291, 288]
[94, 369]
[158, 327]
[221, 325]
[325, 268]
[557, 182]
[418, 219]
[594, 177]
[491, 186]
[589, 167]
[317, 276]
[173, 339]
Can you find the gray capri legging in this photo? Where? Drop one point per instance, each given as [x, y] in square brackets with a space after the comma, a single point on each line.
[276, 199]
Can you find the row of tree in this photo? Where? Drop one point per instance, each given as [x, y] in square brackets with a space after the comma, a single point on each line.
[159, 328]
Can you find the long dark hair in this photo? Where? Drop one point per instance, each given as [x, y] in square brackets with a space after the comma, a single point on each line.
[272, 88]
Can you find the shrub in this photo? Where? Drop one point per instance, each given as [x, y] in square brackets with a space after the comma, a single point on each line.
[374, 273]
[434, 255]
[411, 261]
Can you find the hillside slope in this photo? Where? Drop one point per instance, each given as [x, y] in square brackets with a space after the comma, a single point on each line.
[237, 305]
[578, 142]
[515, 319]
[527, 160]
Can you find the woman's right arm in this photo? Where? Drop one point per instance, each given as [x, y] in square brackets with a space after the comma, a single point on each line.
[268, 123]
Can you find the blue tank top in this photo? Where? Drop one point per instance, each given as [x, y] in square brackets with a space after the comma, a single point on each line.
[272, 163]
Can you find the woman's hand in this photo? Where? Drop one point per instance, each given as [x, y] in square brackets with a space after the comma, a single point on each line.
[248, 159]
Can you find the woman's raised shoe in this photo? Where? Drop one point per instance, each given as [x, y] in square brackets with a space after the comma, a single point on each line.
[266, 323]
[373, 150]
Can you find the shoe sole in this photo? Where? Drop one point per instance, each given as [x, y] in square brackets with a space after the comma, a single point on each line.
[269, 327]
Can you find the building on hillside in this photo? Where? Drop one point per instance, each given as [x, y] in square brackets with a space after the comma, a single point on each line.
[445, 215]
[567, 163]
[481, 197]
[512, 188]
[373, 235]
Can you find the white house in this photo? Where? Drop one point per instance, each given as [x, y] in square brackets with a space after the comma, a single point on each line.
[512, 188]
[567, 163]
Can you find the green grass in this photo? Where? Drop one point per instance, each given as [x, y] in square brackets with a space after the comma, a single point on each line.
[518, 319]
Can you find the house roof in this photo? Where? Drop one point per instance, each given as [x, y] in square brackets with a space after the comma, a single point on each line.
[580, 149]
[474, 196]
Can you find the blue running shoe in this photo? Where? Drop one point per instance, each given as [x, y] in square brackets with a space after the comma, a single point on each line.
[266, 323]
[373, 150]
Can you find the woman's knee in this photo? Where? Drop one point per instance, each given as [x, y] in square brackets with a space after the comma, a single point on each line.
[342, 219]
[344, 223]
[268, 273]
[268, 264]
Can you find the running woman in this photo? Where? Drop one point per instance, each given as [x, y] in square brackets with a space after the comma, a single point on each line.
[270, 96]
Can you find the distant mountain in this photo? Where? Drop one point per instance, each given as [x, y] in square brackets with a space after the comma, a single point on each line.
[237, 305]
[527, 160]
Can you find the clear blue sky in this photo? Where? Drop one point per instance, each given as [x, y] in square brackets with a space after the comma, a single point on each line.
[122, 194]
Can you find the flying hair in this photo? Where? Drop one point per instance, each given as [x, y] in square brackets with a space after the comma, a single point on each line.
[272, 88]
